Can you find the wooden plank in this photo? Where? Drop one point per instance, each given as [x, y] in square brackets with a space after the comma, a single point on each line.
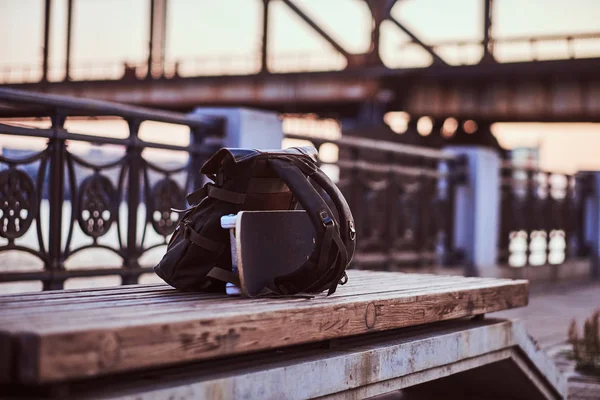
[101, 294]
[354, 368]
[77, 293]
[95, 292]
[173, 300]
[173, 296]
[104, 317]
[359, 278]
[91, 344]
[130, 310]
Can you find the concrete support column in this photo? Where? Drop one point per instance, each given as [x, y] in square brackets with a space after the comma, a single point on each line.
[247, 128]
[477, 210]
[591, 223]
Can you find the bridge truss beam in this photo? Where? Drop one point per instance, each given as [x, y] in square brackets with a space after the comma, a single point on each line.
[548, 91]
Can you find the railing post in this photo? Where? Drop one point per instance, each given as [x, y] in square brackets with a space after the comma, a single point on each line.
[570, 215]
[531, 222]
[579, 238]
[507, 214]
[390, 196]
[195, 179]
[56, 197]
[134, 154]
[477, 210]
[455, 170]
[350, 186]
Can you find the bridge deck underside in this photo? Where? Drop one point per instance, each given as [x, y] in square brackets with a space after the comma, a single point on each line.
[561, 91]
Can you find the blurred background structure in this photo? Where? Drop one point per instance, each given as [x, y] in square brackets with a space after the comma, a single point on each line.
[459, 130]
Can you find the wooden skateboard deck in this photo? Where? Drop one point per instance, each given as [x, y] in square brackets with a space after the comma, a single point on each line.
[270, 244]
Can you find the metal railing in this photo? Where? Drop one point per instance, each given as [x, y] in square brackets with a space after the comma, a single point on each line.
[525, 48]
[122, 198]
[541, 217]
[401, 198]
[194, 66]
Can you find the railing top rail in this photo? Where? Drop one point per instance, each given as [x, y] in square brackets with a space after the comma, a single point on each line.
[382, 145]
[43, 101]
[509, 165]
[519, 39]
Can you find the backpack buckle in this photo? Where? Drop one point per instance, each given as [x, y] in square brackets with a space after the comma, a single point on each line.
[186, 229]
[220, 178]
[325, 218]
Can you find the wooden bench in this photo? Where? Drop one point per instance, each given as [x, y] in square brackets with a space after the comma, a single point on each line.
[379, 333]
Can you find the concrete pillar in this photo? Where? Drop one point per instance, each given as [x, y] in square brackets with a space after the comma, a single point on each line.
[477, 210]
[247, 128]
[591, 223]
[244, 128]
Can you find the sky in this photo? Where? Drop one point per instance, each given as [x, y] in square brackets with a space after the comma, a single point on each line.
[117, 30]
[212, 35]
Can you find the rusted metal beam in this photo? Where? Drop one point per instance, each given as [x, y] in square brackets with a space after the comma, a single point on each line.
[380, 11]
[436, 58]
[488, 43]
[157, 38]
[265, 38]
[381, 8]
[317, 28]
[47, 12]
[150, 40]
[69, 36]
[162, 35]
[503, 92]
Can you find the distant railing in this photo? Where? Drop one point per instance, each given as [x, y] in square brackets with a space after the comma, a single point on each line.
[114, 204]
[218, 65]
[401, 198]
[523, 48]
[541, 217]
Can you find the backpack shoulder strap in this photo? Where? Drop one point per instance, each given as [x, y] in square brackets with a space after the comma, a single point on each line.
[326, 265]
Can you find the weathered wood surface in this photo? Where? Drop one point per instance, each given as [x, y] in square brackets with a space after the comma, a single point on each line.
[467, 358]
[71, 334]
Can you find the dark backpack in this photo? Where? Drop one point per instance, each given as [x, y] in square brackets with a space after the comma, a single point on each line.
[198, 255]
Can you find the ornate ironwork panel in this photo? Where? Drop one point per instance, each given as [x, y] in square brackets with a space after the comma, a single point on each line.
[166, 195]
[539, 217]
[97, 206]
[95, 189]
[19, 203]
[400, 197]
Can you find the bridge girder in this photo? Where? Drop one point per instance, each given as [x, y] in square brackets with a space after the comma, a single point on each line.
[564, 91]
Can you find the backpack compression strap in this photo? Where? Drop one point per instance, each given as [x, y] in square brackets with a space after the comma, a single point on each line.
[347, 229]
[324, 267]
